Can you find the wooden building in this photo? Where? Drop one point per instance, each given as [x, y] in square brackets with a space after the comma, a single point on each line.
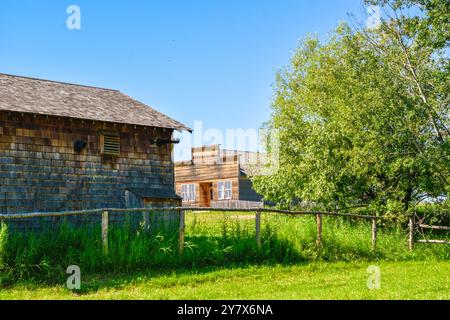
[71, 147]
[217, 178]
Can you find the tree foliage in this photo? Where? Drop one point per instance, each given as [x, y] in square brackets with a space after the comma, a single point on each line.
[429, 22]
[363, 118]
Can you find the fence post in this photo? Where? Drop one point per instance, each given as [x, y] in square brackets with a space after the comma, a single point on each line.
[146, 221]
[319, 230]
[105, 222]
[181, 231]
[374, 234]
[258, 228]
[411, 234]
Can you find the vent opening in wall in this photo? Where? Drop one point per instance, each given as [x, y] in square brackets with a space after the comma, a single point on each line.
[110, 143]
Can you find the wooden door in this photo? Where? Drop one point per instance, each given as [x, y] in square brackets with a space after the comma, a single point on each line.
[205, 195]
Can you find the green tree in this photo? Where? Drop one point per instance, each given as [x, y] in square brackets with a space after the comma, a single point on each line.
[363, 119]
[410, 42]
[425, 20]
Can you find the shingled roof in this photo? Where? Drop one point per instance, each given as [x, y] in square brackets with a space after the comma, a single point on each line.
[37, 96]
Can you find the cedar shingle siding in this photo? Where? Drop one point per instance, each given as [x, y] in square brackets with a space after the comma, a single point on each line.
[51, 156]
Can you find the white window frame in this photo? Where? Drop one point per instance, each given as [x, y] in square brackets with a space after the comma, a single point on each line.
[189, 192]
[225, 190]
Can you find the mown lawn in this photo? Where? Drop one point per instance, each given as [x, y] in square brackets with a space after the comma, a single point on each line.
[399, 280]
[222, 261]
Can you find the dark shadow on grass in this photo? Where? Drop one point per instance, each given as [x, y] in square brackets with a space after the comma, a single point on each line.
[203, 254]
[96, 282]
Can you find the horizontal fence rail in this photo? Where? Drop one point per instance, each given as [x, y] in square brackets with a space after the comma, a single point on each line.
[433, 241]
[285, 212]
[14, 216]
[424, 226]
[413, 226]
[262, 210]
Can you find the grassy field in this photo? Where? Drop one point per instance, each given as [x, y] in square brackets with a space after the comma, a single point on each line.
[399, 280]
[221, 261]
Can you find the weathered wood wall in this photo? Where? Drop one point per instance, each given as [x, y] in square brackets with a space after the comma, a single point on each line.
[199, 201]
[40, 170]
[210, 164]
[206, 154]
[207, 169]
[206, 172]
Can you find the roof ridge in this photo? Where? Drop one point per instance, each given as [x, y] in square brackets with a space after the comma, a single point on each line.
[56, 81]
[151, 107]
[42, 96]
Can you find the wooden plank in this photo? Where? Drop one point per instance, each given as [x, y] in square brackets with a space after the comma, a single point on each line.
[411, 234]
[319, 230]
[181, 232]
[434, 241]
[424, 226]
[48, 214]
[258, 228]
[374, 235]
[287, 212]
[96, 211]
[105, 223]
[197, 173]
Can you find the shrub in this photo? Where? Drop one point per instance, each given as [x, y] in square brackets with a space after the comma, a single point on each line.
[435, 213]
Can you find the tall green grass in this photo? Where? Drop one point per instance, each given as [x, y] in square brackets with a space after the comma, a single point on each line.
[212, 239]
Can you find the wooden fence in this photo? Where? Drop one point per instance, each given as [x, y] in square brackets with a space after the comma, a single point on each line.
[257, 211]
[319, 220]
[181, 211]
[413, 226]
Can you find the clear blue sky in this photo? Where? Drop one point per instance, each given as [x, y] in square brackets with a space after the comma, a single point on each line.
[210, 60]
